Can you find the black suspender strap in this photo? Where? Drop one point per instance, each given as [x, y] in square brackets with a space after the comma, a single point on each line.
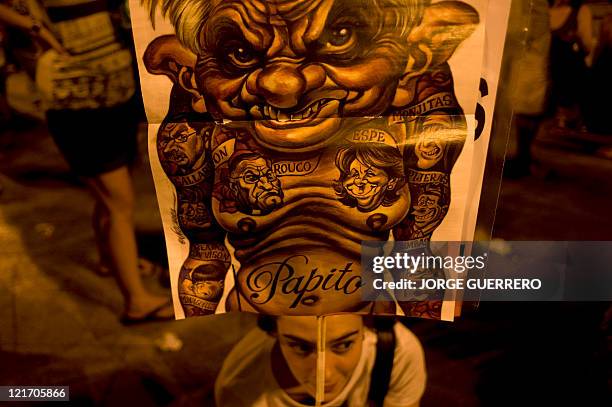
[385, 350]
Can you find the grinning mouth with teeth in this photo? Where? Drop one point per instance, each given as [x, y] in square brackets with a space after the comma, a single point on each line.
[309, 112]
[425, 216]
[432, 153]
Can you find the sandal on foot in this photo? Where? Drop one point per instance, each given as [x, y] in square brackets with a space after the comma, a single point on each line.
[151, 316]
[147, 268]
[103, 270]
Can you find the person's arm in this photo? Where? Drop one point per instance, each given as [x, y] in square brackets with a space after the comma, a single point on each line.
[36, 29]
[436, 140]
[190, 169]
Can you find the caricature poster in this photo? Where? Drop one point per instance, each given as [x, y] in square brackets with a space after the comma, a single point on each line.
[284, 133]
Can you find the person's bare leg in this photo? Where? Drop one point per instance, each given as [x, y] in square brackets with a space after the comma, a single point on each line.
[99, 222]
[113, 192]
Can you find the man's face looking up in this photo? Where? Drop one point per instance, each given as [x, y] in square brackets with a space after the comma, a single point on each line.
[296, 66]
[297, 337]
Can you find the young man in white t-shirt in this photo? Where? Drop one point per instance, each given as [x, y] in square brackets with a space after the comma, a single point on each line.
[279, 367]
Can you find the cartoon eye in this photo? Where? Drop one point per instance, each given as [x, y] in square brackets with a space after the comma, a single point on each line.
[340, 36]
[242, 55]
[271, 176]
[250, 178]
[182, 138]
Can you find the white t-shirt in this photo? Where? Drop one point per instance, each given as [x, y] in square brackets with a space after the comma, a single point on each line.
[246, 377]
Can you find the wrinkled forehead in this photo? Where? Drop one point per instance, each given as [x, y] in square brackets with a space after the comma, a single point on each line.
[430, 197]
[271, 24]
[285, 10]
[393, 14]
[177, 128]
[275, 24]
[357, 164]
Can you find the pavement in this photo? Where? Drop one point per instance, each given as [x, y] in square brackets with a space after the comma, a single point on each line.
[59, 319]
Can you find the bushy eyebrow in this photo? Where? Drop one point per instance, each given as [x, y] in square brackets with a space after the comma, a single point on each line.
[225, 30]
[234, 20]
[188, 132]
[300, 340]
[252, 167]
[344, 337]
[342, 9]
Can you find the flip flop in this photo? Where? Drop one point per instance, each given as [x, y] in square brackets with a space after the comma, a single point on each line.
[103, 270]
[151, 316]
[146, 268]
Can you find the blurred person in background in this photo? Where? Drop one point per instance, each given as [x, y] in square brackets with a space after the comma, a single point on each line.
[276, 365]
[597, 108]
[571, 25]
[4, 107]
[85, 74]
[527, 53]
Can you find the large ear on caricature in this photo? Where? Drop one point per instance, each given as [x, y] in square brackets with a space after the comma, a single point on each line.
[444, 26]
[166, 56]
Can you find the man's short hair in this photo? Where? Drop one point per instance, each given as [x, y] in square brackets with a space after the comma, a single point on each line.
[245, 155]
[196, 121]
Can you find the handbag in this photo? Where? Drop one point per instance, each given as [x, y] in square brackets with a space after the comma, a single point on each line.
[90, 81]
[97, 73]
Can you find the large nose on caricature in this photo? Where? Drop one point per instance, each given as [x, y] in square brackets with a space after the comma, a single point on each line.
[169, 147]
[281, 85]
[265, 185]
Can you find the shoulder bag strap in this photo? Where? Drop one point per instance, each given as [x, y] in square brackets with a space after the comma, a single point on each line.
[385, 350]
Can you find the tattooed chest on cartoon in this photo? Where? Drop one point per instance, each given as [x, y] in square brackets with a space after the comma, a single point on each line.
[361, 176]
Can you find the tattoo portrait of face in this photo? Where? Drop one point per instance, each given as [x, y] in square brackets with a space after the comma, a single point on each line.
[194, 214]
[370, 175]
[201, 287]
[428, 210]
[254, 183]
[181, 147]
[429, 150]
[281, 83]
